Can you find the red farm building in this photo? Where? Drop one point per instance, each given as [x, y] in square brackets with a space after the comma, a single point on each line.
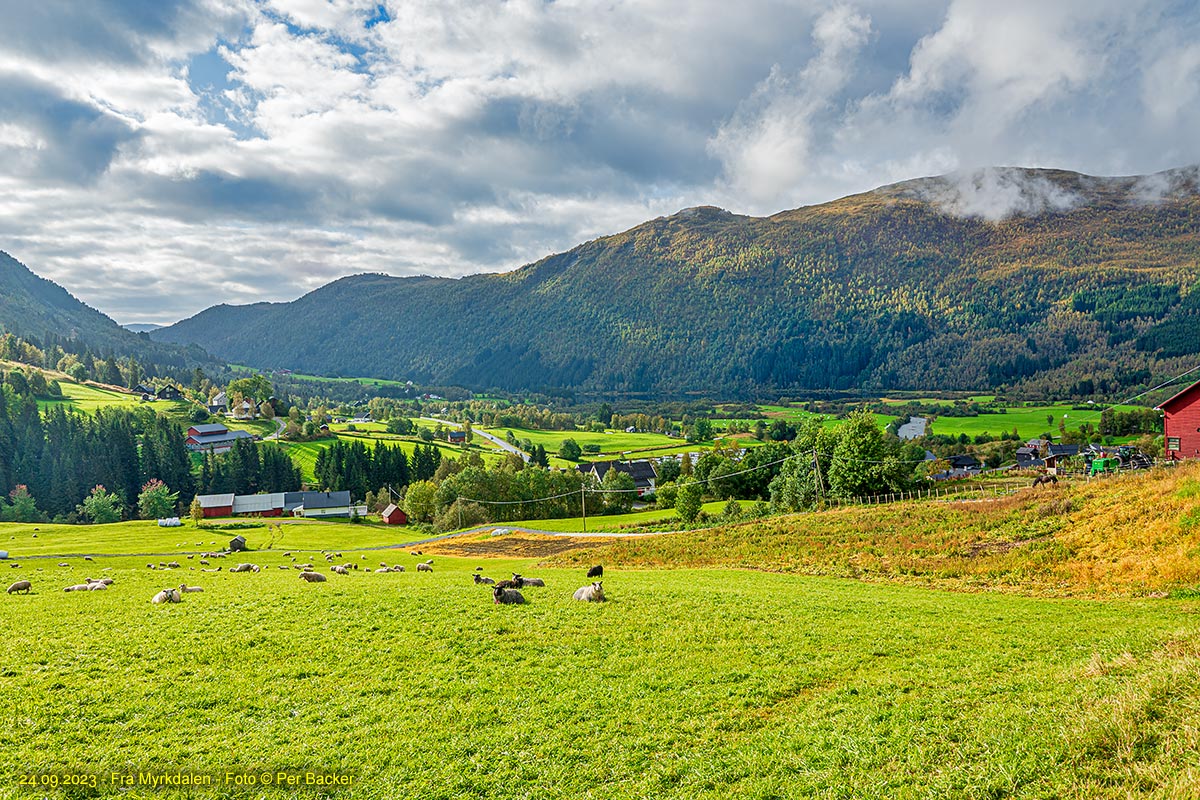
[1181, 423]
[394, 515]
[216, 505]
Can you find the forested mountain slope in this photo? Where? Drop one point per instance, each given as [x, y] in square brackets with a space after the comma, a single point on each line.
[34, 308]
[965, 282]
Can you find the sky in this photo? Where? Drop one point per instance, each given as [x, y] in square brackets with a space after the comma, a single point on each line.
[158, 157]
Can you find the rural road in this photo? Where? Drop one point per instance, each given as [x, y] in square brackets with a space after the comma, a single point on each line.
[503, 445]
[280, 425]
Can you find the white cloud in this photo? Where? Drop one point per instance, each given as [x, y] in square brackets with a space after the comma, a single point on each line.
[456, 136]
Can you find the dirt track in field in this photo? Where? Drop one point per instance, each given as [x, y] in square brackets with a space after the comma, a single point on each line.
[517, 545]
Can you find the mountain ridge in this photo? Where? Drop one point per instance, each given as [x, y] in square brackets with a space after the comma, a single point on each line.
[968, 281]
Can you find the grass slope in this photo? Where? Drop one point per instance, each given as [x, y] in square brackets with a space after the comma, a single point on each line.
[688, 684]
[1129, 535]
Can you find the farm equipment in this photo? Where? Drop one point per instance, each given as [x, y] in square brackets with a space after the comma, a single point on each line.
[1101, 465]
[1132, 458]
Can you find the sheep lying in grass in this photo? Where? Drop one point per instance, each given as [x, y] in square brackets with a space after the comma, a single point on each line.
[167, 596]
[23, 587]
[596, 571]
[105, 581]
[312, 577]
[593, 593]
[382, 569]
[79, 587]
[183, 587]
[172, 565]
[424, 566]
[523, 582]
[398, 568]
[92, 587]
[218, 569]
[245, 568]
[507, 596]
[340, 570]
[480, 579]
[507, 584]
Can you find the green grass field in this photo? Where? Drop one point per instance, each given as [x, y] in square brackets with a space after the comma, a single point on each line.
[87, 399]
[612, 522]
[686, 684]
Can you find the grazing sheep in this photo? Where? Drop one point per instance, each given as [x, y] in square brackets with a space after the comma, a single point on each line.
[424, 567]
[480, 579]
[172, 565]
[20, 586]
[183, 587]
[167, 596]
[313, 577]
[192, 556]
[88, 558]
[79, 587]
[507, 596]
[204, 562]
[591, 594]
[151, 566]
[398, 568]
[14, 565]
[596, 571]
[523, 582]
[340, 570]
[284, 566]
[92, 587]
[479, 569]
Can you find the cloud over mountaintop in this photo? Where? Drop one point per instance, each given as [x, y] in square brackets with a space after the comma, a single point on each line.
[160, 157]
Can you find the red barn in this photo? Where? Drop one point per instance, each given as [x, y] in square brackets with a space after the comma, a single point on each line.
[394, 515]
[1181, 423]
[216, 505]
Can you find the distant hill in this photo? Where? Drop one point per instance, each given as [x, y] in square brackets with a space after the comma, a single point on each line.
[38, 309]
[142, 327]
[1046, 278]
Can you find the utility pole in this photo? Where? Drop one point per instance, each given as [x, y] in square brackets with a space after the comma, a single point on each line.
[583, 506]
[817, 467]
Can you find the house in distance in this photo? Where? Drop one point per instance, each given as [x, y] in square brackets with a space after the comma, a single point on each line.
[213, 438]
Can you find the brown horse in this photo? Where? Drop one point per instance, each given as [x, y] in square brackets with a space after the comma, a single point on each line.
[1044, 479]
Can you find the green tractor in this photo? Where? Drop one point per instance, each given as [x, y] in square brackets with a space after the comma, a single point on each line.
[1101, 465]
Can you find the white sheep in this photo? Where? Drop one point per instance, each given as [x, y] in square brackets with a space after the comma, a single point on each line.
[424, 566]
[93, 587]
[79, 587]
[382, 569]
[313, 577]
[167, 596]
[398, 568]
[183, 587]
[340, 570]
[593, 593]
[20, 586]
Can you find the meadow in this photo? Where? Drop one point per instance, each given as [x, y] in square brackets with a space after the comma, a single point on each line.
[687, 683]
[736, 661]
